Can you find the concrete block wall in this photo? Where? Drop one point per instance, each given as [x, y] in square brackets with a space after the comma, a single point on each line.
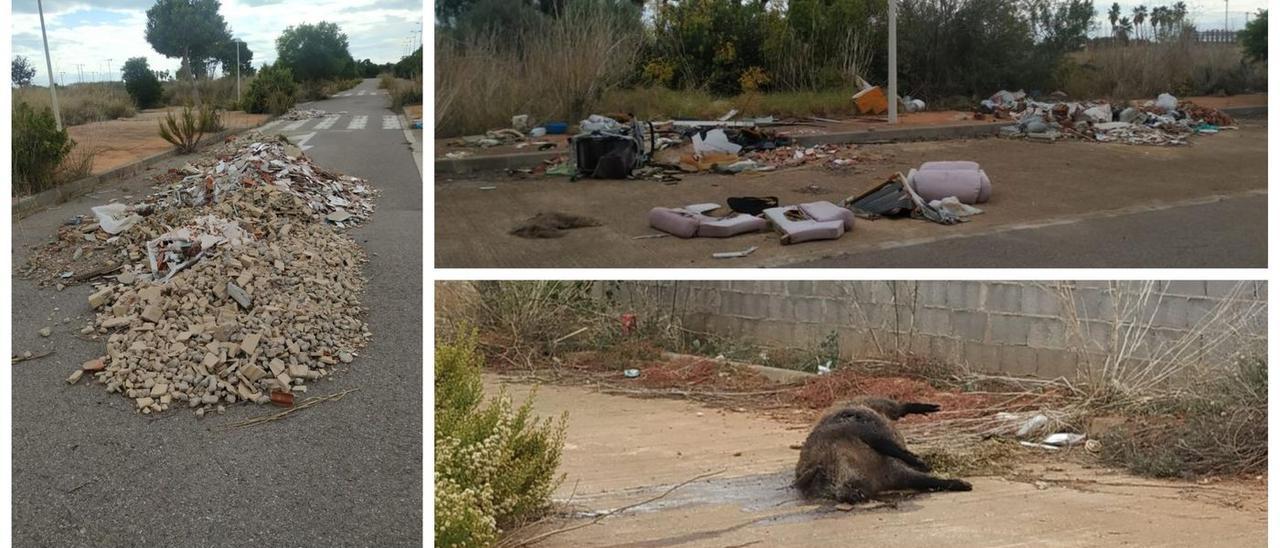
[1033, 328]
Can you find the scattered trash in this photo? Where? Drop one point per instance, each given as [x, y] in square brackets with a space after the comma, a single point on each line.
[45, 331]
[306, 114]
[1162, 122]
[520, 122]
[631, 373]
[692, 220]
[489, 188]
[714, 141]
[457, 155]
[735, 254]
[538, 132]
[952, 205]
[611, 153]
[896, 198]
[1031, 426]
[810, 221]
[871, 100]
[962, 179]
[551, 225]
[114, 218]
[1063, 439]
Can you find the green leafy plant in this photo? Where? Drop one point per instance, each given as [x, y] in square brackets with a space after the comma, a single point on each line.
[38, 148]
[141, 83]
[184, 131]
[273, 91]
[495, 463]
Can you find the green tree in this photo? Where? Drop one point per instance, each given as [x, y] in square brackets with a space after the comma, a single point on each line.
[191, 30]
[38, 147]
[1254, 38]
[1139, 17]
[141, 83]
[410, 66]
[22, 72]
[226, 57]
[314, 52]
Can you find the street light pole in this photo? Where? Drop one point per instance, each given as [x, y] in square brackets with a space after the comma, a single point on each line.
[48, 65]
[893, 61]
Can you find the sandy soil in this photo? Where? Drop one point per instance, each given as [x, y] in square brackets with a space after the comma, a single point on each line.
[127, 140]
[622, 450]
[1033, 184]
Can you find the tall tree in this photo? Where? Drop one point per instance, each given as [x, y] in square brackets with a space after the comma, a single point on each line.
[1113, 15]
[21, 72]
[1254, 37]
[141, 82]
[227, 57]
[1139, 17]
[314, 52]
[191, 30]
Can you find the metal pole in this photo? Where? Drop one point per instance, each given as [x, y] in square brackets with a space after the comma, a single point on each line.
[108, 69]
[48, 65]
[1226, 17]
[893, 61]
[237, 72]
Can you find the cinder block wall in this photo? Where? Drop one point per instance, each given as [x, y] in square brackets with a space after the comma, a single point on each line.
[1044, 329]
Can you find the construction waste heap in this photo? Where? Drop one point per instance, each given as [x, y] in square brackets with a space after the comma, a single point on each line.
[1162, 122]
[232, 283]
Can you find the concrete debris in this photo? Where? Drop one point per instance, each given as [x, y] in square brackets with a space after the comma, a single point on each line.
[307, 114]
[1163, 122]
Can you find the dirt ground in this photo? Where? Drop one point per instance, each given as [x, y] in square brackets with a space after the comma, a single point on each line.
[1033, 184]
[127, 140]
[622, 450]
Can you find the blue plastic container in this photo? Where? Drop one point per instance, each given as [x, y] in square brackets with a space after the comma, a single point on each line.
[556, 128]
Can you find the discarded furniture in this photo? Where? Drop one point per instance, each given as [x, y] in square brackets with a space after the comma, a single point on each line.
[692, 221]
[962, 179]
[811, 221]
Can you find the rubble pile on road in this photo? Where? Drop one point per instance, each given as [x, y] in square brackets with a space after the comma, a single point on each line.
[306, 114]
[234, 284]
[1162, 122]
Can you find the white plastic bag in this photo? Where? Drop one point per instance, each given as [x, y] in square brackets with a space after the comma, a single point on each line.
[114, 218]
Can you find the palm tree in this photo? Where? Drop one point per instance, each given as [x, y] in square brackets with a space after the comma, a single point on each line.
[1159, 19]
[1139, 16]
[1125, 28]
[1114, 14]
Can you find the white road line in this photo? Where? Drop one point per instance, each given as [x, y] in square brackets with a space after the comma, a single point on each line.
[301, 140]
[358, 122]
[296, 125]
[269, 125]
[361, 92]
[327, 122]
[390, 121]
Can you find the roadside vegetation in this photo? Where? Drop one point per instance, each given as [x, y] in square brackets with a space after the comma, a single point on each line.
[495, 463]
[565, 60]
[1190, 407]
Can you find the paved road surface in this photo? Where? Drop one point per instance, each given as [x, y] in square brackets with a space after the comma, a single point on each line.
[620, 451]
[87, 471]
[1231, 233]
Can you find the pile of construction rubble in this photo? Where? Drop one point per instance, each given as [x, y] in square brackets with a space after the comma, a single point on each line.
[1162, 122]
[307, 114]
[230, 285]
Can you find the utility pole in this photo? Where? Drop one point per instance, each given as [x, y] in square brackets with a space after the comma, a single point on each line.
[109, 69]
[48, 64]
[1226, 17]
[79, 73]
[237, 72]
[893, 61]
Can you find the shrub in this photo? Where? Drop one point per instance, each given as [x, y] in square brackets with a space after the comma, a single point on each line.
[220, 92]
[81, 103]
[141, 83]
[1254, 38]
[38, 148]
[186, 130]
[495, 464]
[273, 90]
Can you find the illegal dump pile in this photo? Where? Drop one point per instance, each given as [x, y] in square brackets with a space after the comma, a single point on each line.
[307, 114]
[229, 285]
[1163, 122]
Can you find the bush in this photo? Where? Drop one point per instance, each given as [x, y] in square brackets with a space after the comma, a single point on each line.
[1254, 38]
[141, 83]
[402, 92]
[495, 465]
[186, 130]
[273, 91]
[220, 92]
[38, 148]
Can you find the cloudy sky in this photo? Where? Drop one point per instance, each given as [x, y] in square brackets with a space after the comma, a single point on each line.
[90, 33]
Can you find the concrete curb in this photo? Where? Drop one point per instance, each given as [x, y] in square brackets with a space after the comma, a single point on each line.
[458, 166]
[25, 206]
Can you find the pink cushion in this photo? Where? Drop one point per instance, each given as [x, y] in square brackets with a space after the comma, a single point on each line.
[689, 222]
[794, 232]
[950, 165]
[827, 211]
[968, 186]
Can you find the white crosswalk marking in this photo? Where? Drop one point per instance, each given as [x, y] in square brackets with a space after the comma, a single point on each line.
[390, 122]
[327, 122]
[269, 125]
[301, 140]
[361, 92]
[296, 125]
[358, 122]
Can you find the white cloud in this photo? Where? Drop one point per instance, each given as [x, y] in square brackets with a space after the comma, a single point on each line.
[373, 31]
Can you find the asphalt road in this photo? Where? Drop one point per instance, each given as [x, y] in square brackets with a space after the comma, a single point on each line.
[88, 471]
[1231, 233]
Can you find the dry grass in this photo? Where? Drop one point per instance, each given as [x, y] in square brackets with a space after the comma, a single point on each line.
[220, 92]
[556, 72]
[1144, 70]
[81, 103]
[402, 91]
